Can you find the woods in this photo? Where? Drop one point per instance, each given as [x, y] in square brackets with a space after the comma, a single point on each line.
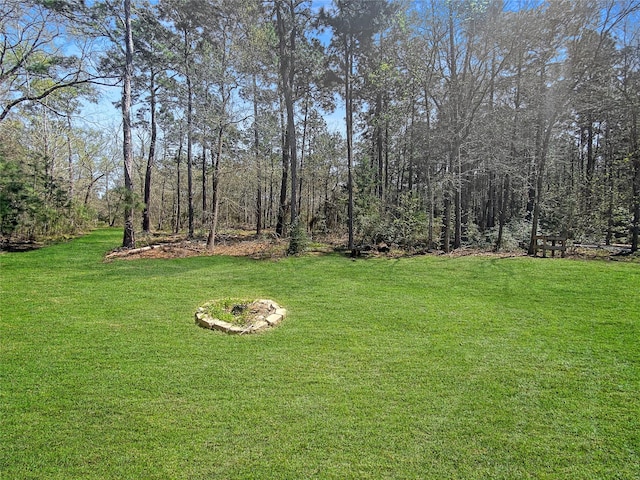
[420, 123]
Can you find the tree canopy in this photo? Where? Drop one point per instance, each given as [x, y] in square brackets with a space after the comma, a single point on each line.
[423, 123]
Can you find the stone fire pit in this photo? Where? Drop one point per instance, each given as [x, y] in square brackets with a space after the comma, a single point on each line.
[239, 316]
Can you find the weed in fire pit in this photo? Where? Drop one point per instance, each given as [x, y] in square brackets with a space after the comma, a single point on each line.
[235, 311]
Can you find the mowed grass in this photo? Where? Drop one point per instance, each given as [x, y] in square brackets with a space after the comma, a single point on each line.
[423, 367]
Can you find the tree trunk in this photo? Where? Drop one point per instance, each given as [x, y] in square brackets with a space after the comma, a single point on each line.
[87, 195]
[128, 240]
[178, 188]
[282, 206]
[302, 150]
[215, 200]
[190, 155]
[385, 193]
[542, 159]
[146, 221]
[502, 216]
[609, 182]
[454, 154]
[270, 208]
[411, 148]
[70, 159]
[635, 188]
[506, 184]
[446, 238]
[431, 198]
[161, 213]
[349, 126]
[256, 147]
[287, 70]
[457, 240]
[378, 140]
[635, 228]
[204, 184]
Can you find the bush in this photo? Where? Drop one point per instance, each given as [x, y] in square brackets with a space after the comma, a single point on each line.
[298, 241]
[404, 224]
[516, 235]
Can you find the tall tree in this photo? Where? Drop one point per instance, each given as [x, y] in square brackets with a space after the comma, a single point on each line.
[228, 35]
[287, 49]
[353, 25]
[128, 240]
[149, 43]
[189, 19]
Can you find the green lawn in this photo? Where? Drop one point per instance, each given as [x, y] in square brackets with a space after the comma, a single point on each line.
[425, 367]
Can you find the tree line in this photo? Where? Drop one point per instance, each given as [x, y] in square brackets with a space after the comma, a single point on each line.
[426, 123]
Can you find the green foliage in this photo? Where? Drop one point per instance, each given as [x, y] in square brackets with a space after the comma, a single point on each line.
[557, 212]
[33, 205]
[409, 221]
[17, 197]
[515, 236]
[298, 239]
[130, 199]
[621, 218]
[404, 223]
[231, 310]
[29, 202]
[369, 224]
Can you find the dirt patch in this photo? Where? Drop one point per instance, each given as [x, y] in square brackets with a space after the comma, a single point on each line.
[25, 246]
[235, 245]
[268, 246]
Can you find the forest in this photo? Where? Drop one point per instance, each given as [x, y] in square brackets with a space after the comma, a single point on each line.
[435, 124]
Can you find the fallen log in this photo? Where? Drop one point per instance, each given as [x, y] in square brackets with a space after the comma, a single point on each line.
[130, 251]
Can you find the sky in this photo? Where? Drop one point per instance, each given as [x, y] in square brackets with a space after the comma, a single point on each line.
[102, 114]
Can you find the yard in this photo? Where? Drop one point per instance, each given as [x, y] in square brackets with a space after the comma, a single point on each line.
[423, 367]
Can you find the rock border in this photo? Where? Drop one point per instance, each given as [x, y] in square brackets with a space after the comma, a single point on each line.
[275, 316]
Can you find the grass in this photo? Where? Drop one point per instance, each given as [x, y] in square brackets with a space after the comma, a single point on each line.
[419, 367]
[235, 311]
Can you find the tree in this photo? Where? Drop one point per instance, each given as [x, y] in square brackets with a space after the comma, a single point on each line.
[32, 64]
[353, 25]
[113, 22]
[229, 36]
[128, 240]
[463, 120]
[287, 50]
[150, 45]
[629, 88]
[188, 19]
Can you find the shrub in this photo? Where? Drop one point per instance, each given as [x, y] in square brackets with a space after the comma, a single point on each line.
[298, 241]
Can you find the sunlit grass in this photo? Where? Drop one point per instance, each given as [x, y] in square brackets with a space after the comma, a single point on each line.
[408, 368]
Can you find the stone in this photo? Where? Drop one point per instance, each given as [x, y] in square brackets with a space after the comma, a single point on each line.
[204, 321]
[235, 329]
[266, 313]
[274, 319]
[259, 325]
[221, 325]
